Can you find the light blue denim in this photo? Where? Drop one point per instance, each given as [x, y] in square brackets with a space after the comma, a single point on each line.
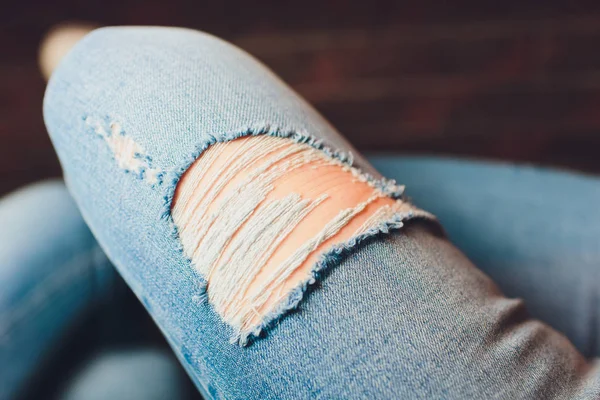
[549, 273]
[402, 315]
[52, 271]
[535, 232]
[53, 279]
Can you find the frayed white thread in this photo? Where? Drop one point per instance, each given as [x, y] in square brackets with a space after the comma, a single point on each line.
[384, 213]
[261, 293]
[231, 230]
[130, 156]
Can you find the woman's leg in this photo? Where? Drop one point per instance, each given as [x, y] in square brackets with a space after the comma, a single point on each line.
[53, 276]
[51, 272]
[535, 232]
[213, 239]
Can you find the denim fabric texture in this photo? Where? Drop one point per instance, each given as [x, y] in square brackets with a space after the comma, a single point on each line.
[401, 315]
[557, 278]
[534, 231]
[52, 272]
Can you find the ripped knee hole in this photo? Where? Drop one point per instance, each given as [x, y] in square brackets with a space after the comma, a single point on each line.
[255, 214]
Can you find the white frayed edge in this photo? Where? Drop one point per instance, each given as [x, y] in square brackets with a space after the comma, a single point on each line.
[129, 155]
[229, 245]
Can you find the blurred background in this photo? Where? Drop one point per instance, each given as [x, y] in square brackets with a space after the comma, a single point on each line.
[510, 80]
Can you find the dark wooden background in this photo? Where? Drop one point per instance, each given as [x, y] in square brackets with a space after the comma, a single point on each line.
[509, 80]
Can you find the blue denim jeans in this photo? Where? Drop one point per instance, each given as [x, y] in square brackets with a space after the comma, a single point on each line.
[555, 274]
[57, 285]
[400, 313]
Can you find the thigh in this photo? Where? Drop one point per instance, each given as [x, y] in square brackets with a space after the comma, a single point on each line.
[535, 232]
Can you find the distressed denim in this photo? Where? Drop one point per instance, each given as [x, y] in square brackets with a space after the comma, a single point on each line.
[557, 272]
[400, 313]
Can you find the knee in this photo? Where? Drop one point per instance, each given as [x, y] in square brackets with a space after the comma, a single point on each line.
[255, 214]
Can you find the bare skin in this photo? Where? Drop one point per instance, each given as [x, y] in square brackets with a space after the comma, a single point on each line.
[343, 189]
